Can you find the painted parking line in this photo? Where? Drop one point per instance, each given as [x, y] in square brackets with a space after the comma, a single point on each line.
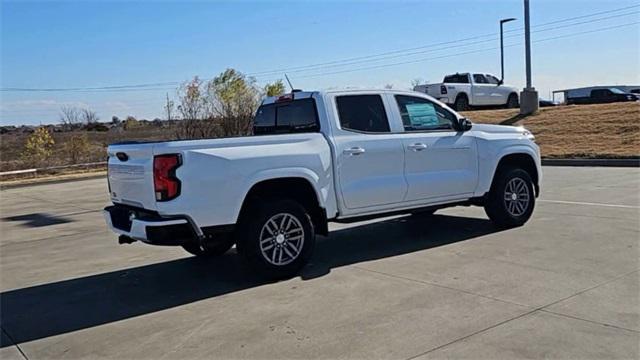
[590, 204]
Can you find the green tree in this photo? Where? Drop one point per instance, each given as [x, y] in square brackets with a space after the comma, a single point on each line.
[39, 147]
[274, 89]
[233, 98]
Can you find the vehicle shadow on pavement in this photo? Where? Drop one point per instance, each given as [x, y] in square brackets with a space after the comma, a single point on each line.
[56, 308]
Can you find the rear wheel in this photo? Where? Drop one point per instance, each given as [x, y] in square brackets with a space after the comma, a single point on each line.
[276, 237]
[462, 103]
[209, 249]
[511, 200]
[512, 101]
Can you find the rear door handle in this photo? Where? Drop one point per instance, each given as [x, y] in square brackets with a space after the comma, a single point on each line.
[353, 151]
[417, 146]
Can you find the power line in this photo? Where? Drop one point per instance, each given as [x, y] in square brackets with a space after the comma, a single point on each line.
[464, 53]
[444, 56]
[456, 46]
[339, 63]
[291, 69]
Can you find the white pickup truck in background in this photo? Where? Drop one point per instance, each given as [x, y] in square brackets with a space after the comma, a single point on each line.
[318, 157]
[467, 90]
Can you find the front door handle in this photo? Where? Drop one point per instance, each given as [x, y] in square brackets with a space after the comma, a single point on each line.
[417, 146]
[353, 151]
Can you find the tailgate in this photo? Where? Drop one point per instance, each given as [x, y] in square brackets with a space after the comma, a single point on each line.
[130, 175]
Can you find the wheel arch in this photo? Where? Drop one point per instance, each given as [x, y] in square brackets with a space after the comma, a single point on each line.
[519, 159]
[460, 94]
[298, 188]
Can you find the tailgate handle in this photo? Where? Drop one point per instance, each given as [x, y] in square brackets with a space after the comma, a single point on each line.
[122, 156]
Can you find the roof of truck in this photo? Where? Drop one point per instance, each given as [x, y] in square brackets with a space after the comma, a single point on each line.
[307, 94]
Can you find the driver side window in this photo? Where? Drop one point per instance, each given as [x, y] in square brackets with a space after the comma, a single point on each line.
[419, 114]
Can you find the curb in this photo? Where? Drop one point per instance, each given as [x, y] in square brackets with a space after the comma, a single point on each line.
[50, 181]
[592, 162]
[545, 162]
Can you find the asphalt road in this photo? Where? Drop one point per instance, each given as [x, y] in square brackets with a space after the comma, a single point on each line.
[566, 285]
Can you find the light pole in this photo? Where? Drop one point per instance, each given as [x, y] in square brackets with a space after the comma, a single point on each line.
[529, 96]
[502, 48]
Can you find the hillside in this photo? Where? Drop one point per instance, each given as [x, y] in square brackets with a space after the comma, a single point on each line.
[582, 131]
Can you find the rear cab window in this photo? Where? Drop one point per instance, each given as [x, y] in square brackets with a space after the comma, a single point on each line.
[362, 113]
[457, 79]
[292, 116]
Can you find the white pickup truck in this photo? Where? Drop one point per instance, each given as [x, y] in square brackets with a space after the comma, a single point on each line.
[464, 91]
[315, 158]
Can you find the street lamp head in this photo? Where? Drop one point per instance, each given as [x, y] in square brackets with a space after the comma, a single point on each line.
[507, 20]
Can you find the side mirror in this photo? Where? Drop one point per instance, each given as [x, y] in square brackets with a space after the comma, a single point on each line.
[465, 124]
[500, 82]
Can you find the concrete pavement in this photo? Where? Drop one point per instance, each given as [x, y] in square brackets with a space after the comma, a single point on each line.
[449, 286]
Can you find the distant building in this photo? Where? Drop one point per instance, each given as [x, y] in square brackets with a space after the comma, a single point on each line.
[585, 91]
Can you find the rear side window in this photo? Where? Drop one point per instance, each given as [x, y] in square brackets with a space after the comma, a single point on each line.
[457, 79]
[599, 93]
[287, 117]
[362, 113]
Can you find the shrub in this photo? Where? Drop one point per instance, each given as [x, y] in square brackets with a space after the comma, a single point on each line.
[38, 147]
[77, 147]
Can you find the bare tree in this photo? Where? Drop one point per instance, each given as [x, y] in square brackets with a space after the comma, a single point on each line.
[193, 110]
[169, 108]
[70, 117]
[415, 82]
[89, 116]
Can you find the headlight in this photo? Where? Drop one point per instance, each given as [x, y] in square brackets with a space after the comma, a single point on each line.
[528, 135]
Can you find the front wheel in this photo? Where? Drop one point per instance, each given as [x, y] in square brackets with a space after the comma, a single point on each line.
[511, 199]
[276, 237]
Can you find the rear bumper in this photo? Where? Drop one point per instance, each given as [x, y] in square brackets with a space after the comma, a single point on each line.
[149, 227]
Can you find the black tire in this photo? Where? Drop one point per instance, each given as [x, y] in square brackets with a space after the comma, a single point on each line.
[462, 103]
[253, 228]
[510, 213]
[512, 101]
[424, 212]
[209, 249]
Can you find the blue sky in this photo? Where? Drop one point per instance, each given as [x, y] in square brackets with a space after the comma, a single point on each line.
[78, 44]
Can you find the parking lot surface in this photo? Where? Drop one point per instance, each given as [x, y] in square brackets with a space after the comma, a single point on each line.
[566, 285]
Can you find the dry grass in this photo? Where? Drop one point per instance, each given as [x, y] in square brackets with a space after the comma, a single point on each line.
[12, 146]
[577, 131]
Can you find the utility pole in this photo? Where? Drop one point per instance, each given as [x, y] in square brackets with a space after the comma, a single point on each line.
[529, 96]
[502, 48]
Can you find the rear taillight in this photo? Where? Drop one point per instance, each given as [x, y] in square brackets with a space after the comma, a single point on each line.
[165, 182]
[443, 89]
